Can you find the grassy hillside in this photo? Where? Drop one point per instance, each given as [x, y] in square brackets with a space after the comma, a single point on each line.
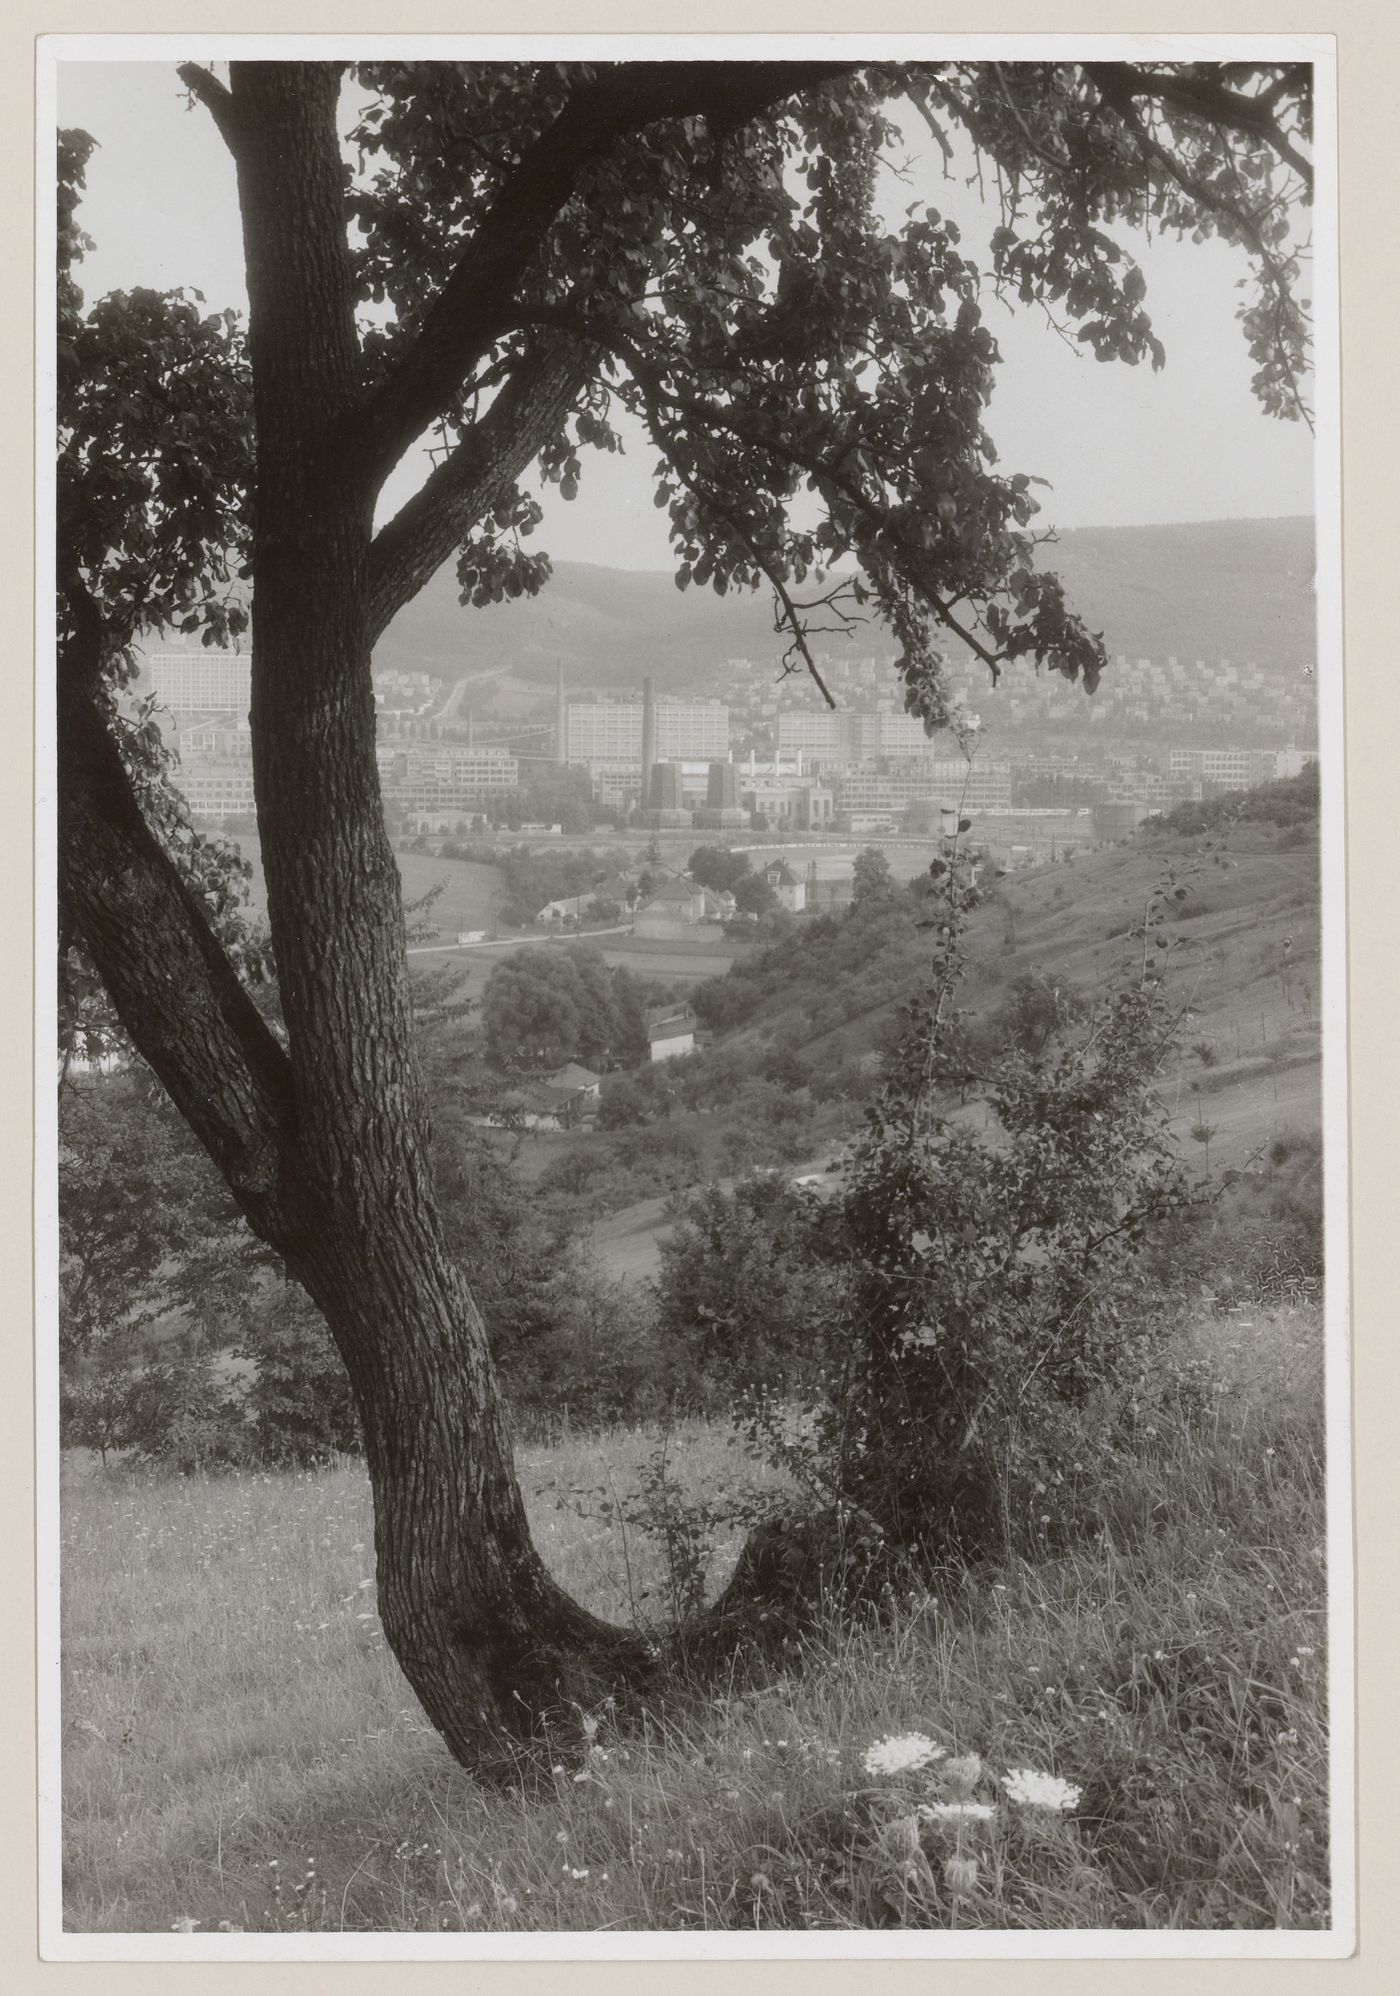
[1238, 589]
[241, 1754]
[831, 994]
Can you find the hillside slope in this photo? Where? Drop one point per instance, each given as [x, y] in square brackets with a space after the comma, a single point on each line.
[1238, 589]
[1252, 1003]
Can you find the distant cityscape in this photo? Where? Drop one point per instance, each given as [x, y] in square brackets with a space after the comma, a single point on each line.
[772, 756]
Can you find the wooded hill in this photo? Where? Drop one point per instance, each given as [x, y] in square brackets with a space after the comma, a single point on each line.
[1236, 589]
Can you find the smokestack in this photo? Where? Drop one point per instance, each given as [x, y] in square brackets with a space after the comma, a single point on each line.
[561, 719]
[648, 735]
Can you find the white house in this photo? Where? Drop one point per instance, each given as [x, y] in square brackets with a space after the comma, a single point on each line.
[791, 892]
[671, 1032]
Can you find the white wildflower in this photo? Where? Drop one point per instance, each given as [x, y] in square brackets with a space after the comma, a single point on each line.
[956, 1814]
[1040, 1791]
[900, 1753]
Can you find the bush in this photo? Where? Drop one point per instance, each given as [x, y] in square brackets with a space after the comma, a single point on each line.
[300, 1408]
[1259, 1240]
[985, 1283]
[622, 1104]
[740, 1290]
[787, 1068]
[592, 1359]
[161, 1403]
[989, 1286]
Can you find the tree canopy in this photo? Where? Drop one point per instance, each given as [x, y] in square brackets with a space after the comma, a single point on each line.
[543, 1007]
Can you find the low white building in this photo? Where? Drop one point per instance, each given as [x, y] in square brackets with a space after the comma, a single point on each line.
[671, 1032]
[791, 892]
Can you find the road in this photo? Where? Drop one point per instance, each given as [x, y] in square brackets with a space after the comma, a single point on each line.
[512, 942]
[454, 697]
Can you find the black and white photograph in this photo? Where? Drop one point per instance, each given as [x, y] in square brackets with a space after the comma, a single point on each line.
[692, 1229]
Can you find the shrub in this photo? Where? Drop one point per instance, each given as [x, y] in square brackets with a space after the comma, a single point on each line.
[1259, 1239]
[300, 1409]
[984, 1279]
[988, 1282]
[161, 1402]
[622, 1104]
[787, 1068]
[593, 1357]
[740, 1290]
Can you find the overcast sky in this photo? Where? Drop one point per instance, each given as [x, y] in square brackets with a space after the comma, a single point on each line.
[1120, 446]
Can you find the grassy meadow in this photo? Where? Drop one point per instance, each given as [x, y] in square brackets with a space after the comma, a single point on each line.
[240, 1752]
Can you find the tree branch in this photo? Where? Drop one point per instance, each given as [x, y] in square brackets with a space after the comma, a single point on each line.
[1215, 102]
[1119, 99]
[718, 416]
[715, 415]
[216, 99]
[432, 525]
[477, 303]
[173, 987]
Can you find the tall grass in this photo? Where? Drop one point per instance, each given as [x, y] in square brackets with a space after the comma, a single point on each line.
[241, 1752]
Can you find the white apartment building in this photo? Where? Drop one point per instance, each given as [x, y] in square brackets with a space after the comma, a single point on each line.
[229, 741]
[851, 734]
[813, 733]
[200, 682]
[611, 731]
[1239, 769]
[899, 734]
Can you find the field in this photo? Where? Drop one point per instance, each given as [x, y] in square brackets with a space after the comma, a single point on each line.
[241, 1753]
[468, 901]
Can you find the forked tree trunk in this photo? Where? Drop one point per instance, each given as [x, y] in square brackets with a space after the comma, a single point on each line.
[326, 1145]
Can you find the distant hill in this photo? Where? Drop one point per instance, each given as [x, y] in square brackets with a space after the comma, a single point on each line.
[1237, 589]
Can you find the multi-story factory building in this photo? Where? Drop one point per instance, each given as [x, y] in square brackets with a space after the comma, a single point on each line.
[437, 777]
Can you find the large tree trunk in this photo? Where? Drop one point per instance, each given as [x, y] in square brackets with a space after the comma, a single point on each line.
[326, 1144]
[482, 1632]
